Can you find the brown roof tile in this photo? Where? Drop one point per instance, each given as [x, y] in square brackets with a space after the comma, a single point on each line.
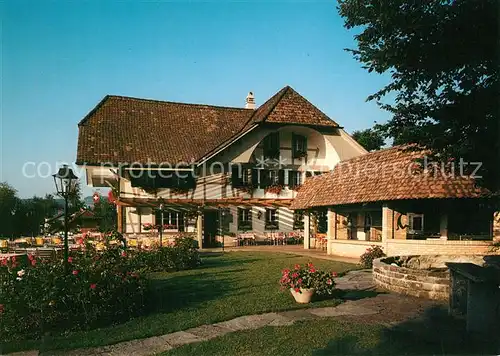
[288, 106]
[122, 129]
[125, 130]
[390, 174]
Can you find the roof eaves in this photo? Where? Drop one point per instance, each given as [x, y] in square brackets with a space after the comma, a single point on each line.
[94, 110]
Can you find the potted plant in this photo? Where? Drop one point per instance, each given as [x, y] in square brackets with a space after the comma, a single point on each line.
[304, 281]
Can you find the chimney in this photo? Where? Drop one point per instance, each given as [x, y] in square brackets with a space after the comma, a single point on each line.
[250, 101]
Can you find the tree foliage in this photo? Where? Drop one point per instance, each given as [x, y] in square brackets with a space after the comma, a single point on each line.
[106, 213]
[443, 58]
[26, 217]
[371, 139]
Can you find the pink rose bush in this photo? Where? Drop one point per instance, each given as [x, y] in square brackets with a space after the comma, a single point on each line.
[100, 288]
[307, 276]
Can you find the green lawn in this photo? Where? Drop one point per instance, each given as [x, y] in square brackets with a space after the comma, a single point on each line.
[224, 287]
[337, 337]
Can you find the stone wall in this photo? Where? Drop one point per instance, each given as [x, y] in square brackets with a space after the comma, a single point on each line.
[419, 283]
[436, 246]
[394, 247]
[351, 248]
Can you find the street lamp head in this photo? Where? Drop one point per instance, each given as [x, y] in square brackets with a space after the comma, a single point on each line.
[65, 180]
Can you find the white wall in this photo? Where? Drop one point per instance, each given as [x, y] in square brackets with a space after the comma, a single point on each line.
[324, 152]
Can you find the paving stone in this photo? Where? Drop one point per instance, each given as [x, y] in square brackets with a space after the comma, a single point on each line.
[208, 331]
[180, 338]
[281, 322]
[348, 308]
[251, 321]
[299, 314]
[25, 353]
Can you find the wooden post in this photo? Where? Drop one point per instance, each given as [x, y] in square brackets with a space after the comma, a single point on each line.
[119, 218]
[199, 230]
[307, 230]
[330, 234]
[443, 226]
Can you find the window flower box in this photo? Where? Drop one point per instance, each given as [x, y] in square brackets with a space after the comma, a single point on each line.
[274, 189]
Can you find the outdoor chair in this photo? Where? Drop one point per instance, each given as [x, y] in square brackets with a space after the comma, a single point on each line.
[247, 238]
[269, 238]
[280, 238]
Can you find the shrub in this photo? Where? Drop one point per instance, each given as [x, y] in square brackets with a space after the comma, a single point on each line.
[373, 252]
[307, 276]
[40, 296]
[100, 287]
[182, 254]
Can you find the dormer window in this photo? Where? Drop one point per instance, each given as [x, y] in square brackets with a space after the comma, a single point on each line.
[272, 146]
[299, 146]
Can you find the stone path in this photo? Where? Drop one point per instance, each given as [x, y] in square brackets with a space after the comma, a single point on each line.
[351, 282]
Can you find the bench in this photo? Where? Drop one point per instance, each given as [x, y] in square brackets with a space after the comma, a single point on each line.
[475, 294]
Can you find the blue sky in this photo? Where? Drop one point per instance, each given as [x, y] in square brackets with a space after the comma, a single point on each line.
[60, 58]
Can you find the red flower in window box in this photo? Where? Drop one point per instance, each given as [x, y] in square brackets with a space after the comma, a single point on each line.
[275, 189]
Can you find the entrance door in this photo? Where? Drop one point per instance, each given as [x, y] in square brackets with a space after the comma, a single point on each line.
[211, 224]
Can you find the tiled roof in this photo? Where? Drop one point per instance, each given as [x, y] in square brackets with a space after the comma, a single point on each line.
[124, 130]
[288, 106]
[390, 174]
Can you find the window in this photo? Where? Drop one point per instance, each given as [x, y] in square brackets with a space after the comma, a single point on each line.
[272, 146]
[294, 179]
[298, 220]
[271, 177]
[240, 177]
[416, 223]
[244, 219]
[299, 146]
[172, 220]
[272, 219]
[311, 173]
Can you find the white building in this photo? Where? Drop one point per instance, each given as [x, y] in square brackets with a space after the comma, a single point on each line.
[211, 169]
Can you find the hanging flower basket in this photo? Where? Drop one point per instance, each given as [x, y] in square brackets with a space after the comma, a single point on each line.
[147, 226]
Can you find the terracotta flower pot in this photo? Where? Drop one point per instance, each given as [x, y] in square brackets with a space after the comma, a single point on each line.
[304, 296]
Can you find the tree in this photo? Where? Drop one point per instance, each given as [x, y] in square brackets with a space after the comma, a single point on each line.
[370, 139]
[443, 57]
[8, 204]
[106, 213]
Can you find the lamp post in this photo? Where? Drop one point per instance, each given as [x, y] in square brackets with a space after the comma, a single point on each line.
[161, 225]
[65, 181]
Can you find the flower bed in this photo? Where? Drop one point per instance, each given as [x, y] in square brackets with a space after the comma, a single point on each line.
[99, 288]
